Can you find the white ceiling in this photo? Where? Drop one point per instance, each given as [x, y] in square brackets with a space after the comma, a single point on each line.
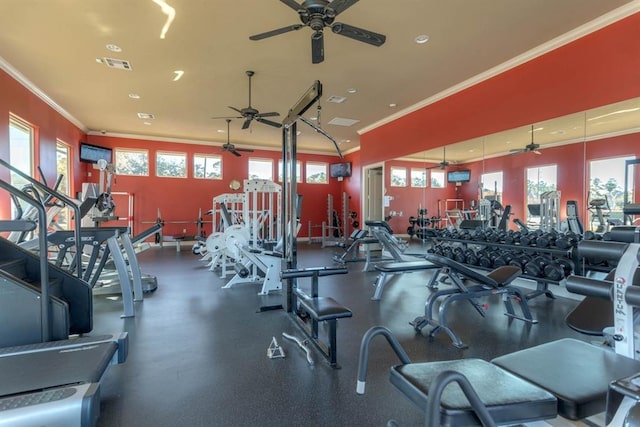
[54, 45]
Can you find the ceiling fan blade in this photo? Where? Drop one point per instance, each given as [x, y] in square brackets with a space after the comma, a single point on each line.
[276, 32]
[268, 122]
[359, 34]
[271, 114]
[317, 47]
[235, 109]
[517, 151]
[340, 6]
[537, 152]
[235, 152]
[246, 150]
[246, 123]
[292, 4]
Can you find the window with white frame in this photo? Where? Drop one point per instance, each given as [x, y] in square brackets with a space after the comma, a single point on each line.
[131, 161]
[171, 165]
[63, 169]
[207, 166]
[316, 173]
[398, 176]
[438, 179]
[540, 180]
[606, 182]
[418, 177]
[21, 136]
[492, 185]
[261, 169]
[298, 171]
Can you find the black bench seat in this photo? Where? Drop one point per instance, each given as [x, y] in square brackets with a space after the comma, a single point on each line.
[509, 399]
[324, 308]
[388, 269]
[576, 372]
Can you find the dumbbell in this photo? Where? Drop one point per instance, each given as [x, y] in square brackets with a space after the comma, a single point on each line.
[553, 271]
[545, 240]
[503, 259]
[447, 252]
[472, 258]
[535, 267]
[459, 255]
[567, 240]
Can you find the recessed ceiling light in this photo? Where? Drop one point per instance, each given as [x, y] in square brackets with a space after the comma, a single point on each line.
[114, 48]
[393, 105]
[557, 132]
[422, 38]
[314, 118]
[134, 96]
[298, 133]
[179, 74]
[346, 140]
[536, 129]
[221, 131]
[146, 116]
[351, 90]
[508, 142]
[147, 123]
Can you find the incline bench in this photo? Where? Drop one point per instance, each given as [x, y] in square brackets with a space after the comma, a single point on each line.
[496, 282]
[320, 309]
[388, 269]
[567, 377]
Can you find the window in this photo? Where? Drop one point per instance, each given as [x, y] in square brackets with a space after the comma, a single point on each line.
[207, 166]
[606, 182]
[171, 165]
[492, 185]
[63, 169]
[398, 177]
[418, 177]
[298, 171]
[20, 149]
[540, 180]
[316, 173]
[132, 162]
[437, 179]
[261, 169]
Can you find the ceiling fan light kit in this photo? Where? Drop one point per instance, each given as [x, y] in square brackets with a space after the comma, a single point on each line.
[318, 15]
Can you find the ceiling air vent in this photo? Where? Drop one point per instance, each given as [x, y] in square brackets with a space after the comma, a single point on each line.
[339, 121]
[336, 99]
[146, 116]
[120, 64]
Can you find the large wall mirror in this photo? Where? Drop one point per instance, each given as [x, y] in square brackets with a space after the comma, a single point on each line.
[581, 155]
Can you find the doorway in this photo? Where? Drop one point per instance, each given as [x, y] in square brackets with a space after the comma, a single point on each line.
[373, 192]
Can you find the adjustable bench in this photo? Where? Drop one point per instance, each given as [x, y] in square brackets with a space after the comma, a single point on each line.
[319, 309]
[495, 282]
[388, 269]
[567, 377]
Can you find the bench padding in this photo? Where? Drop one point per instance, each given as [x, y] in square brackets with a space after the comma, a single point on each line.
[576, 372]
[509, 399]
[324, 308]
[404, 267]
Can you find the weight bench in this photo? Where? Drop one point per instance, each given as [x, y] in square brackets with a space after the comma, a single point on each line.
[319, 309]
[567, 377]
[388, 269]
[495, 282]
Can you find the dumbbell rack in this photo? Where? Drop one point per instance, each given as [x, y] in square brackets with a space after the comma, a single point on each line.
[542, 283]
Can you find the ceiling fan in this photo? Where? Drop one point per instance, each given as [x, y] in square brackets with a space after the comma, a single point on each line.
[444, 163]
[319, 14]
[232, 148]
[249, 113]
[529, 148]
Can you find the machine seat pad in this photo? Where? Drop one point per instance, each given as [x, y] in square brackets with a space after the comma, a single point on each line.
[324, 308]
[576, 372]
[403, 267]
[509, 399]
[498, 278]
[591, 316]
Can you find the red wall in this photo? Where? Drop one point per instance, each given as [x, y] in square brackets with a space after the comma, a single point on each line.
[180, 199]
[49, 125]
[598, 69]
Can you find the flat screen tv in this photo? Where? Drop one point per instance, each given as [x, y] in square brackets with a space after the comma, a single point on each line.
[92, 153]
[340, 170]
[459, 176]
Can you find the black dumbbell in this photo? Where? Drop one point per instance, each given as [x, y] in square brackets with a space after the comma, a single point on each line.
[472, 258]
[459, 255]
[553, 271]
[535, 267]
